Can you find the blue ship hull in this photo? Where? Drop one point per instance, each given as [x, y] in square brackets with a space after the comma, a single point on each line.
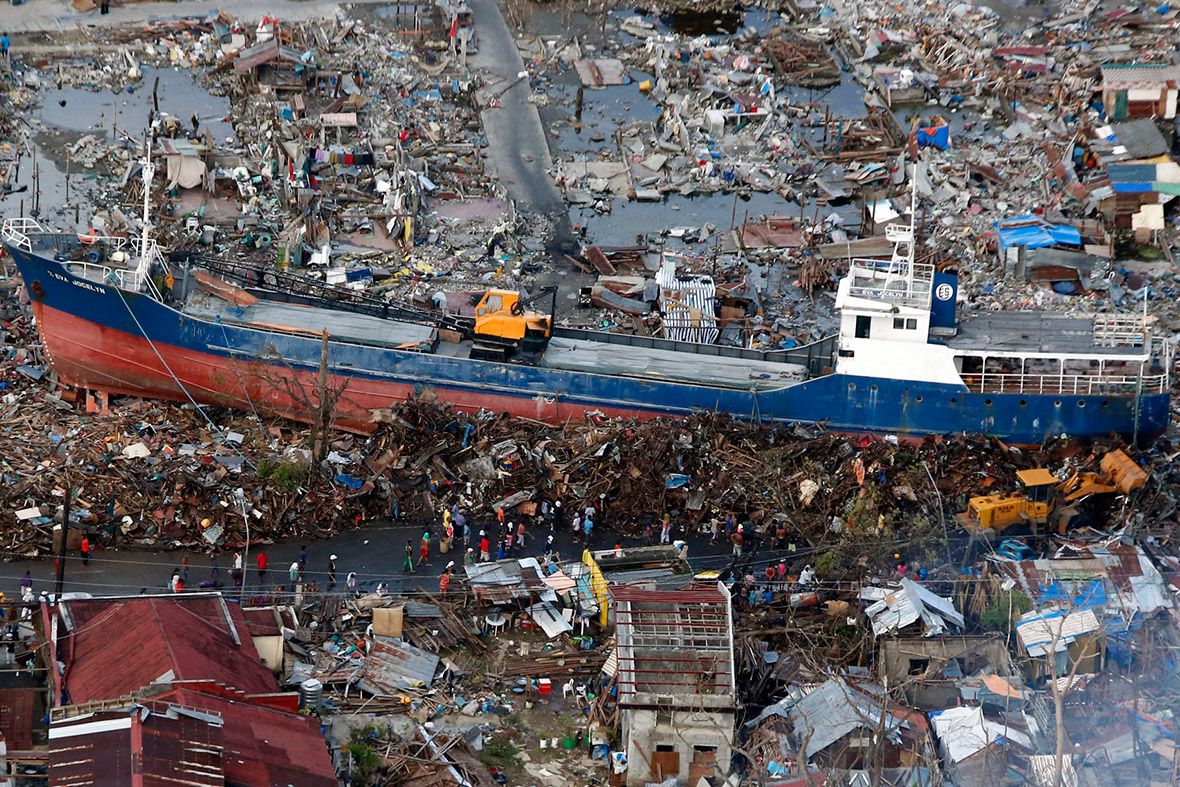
[105, 338]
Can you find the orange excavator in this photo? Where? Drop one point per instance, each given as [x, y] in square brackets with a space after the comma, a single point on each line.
[1044, 498]
[503, 323]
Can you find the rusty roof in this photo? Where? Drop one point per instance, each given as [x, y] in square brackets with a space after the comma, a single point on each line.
[117, 646]
[264, 745]
[156, 744]
[392, 665]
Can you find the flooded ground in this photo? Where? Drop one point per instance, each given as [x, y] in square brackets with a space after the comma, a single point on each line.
[71, 112]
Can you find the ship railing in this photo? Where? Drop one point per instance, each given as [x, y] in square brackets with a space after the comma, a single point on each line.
[123, 278]
[1067, 384]
[899, 233]
[897, 281]
[16, 232]
[1119, 330]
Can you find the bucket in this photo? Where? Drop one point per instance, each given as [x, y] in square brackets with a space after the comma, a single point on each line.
[444, 545]
[568, 743]
[545, 687]
[645, 86]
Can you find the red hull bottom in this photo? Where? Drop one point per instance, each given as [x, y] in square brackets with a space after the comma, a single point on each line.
[87, 355]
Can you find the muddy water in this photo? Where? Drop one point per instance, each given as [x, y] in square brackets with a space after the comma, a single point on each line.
[79, 109]
[629, 220]
[69, 113]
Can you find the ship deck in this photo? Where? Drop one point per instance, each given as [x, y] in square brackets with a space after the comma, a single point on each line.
[1025, 333]
[562, 353]
[655, 364]
[290, 317]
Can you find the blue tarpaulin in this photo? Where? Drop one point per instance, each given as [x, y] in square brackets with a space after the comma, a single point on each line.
[1032, 232]
[1082, 595]
[934, 136]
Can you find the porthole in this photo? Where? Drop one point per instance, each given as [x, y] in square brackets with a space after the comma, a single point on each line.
[918, 398]
[987, 402]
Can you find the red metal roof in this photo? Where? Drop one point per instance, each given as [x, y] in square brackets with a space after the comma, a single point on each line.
[264, 746]
[156, 749]
[119, 646]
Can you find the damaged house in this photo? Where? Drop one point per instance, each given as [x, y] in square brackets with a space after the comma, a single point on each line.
[676, 686]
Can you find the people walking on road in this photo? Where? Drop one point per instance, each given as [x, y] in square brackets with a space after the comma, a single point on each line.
[666, 529]
[500, 553]
[444, 581]
[424, 548]
[331, 572]
[588, 528]
[520, 536]
[408, 563]
[214, 569]
[350, 582]
[176, 583]
[85, 550]
[293, 574]
[577, 526]
[302, 561]
[483, 547]
[184, 568]
[469, 557]
[236, 571]
[781, 571]
[261, 562]
[736, 540]
[508, 540]
[26, 582]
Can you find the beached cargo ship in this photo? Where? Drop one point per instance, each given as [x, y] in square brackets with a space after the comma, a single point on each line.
[234, 335]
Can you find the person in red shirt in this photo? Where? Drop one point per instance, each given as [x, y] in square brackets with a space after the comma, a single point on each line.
[483, 546]
[85, 549]
[262, 567]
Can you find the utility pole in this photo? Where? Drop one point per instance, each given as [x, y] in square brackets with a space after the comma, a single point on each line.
[65, 537]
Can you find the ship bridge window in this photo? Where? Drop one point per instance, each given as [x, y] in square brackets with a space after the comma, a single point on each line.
[863, 325]
[905, 324]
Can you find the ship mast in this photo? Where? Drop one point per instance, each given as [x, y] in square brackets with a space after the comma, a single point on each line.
[148, 172]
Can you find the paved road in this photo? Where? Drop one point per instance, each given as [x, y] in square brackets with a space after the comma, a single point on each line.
[374, 552]
[53, 15]
[516, 141]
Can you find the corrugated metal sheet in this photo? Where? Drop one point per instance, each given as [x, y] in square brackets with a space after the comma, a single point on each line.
[1038, 631]
[834, 710]
[961, 732]
[687, 305]
[392, 665]
[549, 619]
[1123, 76]
[896, 609]
[187, 637]
[504, 580]
[169, 748]
[17, 711]
[1042, 771]
[264, 745]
